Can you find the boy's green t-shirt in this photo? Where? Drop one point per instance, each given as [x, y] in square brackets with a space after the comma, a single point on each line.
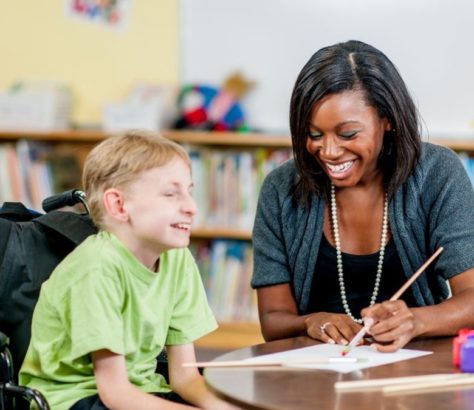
[101, 297]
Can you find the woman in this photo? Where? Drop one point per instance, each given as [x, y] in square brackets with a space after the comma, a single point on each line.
[364, 203]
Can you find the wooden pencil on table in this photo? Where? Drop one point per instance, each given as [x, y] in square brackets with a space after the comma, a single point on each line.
[398, 382]
[275, 363]
[463, 379]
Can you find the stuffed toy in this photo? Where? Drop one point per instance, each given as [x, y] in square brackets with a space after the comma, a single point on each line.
[204, 107]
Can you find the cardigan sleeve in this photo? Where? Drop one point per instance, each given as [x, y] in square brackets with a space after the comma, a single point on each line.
[286, 236]
[451, 214]
[270, 256]
[435, 207]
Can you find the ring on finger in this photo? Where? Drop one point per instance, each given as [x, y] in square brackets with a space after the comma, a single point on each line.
[323, 327]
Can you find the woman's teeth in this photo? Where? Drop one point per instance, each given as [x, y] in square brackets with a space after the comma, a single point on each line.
[340, 167]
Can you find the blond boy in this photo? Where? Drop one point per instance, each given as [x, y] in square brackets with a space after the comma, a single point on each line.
[124, 294]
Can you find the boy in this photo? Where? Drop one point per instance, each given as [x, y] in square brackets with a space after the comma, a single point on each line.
[111, 306]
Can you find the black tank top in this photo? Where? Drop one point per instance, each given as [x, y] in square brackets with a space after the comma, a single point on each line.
[359, 279]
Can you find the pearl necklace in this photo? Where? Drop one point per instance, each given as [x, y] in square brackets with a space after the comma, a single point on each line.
[337, 240]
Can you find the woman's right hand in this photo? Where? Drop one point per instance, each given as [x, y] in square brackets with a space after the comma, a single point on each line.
[279, 318]
[331, 327]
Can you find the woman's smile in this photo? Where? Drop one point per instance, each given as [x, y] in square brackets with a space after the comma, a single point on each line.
[339, 170]
[345, 136]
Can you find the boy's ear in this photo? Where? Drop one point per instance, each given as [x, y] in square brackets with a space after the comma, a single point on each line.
[114, 204]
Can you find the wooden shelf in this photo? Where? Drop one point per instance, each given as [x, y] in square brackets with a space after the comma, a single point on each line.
[251, 139]
[455, 144]
[230, 336]
[211, 233]
[54, 136]
[228, 138]
[187, 137]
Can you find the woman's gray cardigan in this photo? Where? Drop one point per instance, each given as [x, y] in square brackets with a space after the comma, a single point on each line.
[434, 207]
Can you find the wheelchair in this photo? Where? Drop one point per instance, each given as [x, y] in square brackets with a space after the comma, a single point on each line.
[47, 238]
[31, 245]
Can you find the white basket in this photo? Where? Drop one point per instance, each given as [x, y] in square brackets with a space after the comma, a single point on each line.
[35, 109]
[147, 107]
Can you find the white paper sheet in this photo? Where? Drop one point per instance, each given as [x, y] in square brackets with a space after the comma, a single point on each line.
[371, 357]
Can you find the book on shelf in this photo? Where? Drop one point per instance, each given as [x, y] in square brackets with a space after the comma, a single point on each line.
[226, 267]
[227, 183]
[30, 171]
[16, 184]
[5, 182]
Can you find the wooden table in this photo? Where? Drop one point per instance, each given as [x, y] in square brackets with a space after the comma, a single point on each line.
[287, 389]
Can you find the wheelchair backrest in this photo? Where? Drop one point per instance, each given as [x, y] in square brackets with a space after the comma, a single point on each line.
[31, 245]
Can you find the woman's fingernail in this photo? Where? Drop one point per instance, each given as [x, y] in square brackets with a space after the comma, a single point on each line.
[332, 342]
[344, 341]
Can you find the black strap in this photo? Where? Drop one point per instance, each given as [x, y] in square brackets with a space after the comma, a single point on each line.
[11, 212]
[76, 227]
[16, 211]
[5, 229]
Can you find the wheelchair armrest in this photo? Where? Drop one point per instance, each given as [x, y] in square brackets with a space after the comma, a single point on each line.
[8, 386]
[6, 362]
[27, 393]
[3, 341]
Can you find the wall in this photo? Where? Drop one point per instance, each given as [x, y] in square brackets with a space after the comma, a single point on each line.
[38, 41]
[430, 41]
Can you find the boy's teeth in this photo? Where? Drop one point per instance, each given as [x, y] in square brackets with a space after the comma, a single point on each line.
[340, 167]
[182, 226]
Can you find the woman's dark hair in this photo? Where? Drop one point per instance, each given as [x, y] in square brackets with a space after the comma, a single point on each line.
[354, 65]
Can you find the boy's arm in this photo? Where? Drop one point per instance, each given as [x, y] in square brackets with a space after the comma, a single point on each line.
[188, 382]
[115, 390]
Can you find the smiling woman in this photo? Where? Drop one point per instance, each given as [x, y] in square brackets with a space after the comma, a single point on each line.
[364, 203]
[346, 137]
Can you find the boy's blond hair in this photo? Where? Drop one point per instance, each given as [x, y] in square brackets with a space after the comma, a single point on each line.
[118, 160]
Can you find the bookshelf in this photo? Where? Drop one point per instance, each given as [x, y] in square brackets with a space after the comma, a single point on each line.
[231, 334]
[199, 137]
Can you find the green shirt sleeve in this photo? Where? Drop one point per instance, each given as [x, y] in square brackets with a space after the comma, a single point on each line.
[191, 317]
[90, 306]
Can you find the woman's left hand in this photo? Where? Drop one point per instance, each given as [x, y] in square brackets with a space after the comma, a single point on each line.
[394, 325]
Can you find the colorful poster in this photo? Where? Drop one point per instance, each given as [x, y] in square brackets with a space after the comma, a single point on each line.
[110, 14]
